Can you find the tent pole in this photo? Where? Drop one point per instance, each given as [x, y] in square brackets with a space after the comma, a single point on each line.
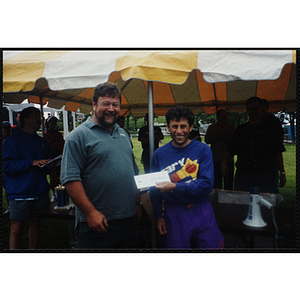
[74, 119]
[42, 113]
[66, 123]
[150, 119]
[216, 100]
[151, 149]
[11, 116]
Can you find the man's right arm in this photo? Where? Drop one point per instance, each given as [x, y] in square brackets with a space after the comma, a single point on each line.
[224, 166]
[161, 226]
[96, 220]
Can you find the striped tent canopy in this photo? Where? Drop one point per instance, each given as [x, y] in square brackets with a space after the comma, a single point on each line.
[205, 79]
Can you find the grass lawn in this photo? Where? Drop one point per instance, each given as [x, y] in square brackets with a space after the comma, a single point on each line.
[54, 233]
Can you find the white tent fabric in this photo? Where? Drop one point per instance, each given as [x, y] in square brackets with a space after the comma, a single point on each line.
[199, 79]
[224, 66]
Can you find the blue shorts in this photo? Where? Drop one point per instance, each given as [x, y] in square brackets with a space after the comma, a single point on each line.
[192, 226]
[21, 210]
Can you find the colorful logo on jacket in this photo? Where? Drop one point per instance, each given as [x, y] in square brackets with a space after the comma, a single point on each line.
[189, 169]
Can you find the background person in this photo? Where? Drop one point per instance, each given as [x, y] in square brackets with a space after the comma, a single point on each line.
[6, 130]
[187, 220]
[144, 139]
[273, 125]
[57, 142]
[98, 169]
[16, 128]
[257, 150]
[218, 135]
[195, 135]
[24, 155]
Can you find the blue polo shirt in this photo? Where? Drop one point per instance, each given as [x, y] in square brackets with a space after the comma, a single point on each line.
[105, 164]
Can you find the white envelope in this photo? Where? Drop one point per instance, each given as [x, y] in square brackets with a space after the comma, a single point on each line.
[150, 179]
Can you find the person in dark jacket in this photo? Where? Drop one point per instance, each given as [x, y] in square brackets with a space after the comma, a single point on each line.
[25, 166]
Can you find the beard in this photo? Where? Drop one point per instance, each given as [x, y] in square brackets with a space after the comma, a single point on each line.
[107, 124]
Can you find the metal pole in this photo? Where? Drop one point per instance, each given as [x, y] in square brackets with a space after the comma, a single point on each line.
[11, 116]
[216, 100]
[42, 113]
[150, 119]
[74, 119]
[65, 122]
[151, 150]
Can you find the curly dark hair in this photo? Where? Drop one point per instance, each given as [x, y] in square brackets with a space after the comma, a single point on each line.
[179, 112]
[106, 89]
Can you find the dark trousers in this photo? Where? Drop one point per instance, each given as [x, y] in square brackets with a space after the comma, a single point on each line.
[146, 161]
[228, 180]
[120, 234]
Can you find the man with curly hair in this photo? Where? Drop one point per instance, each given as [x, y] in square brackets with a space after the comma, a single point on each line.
[187, 220]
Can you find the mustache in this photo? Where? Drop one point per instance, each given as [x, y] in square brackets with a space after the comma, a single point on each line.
[109, 114]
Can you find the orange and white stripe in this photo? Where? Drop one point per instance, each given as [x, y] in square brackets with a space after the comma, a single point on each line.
[207, 79]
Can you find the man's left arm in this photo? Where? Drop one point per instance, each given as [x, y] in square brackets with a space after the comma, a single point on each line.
[278, 148]
[280, 165]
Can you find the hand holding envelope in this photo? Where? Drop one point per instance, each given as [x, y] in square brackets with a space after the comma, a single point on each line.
[153, 179]
[53, 162]
[166, 186]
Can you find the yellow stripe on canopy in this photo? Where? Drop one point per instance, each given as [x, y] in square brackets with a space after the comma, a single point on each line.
[23, 77]
[294, 56]
[164, 66]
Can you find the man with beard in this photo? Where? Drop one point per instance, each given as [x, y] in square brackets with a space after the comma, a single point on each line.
[98, 169]
[24, 155]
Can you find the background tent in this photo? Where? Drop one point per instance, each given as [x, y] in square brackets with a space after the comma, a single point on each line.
[206, 79]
